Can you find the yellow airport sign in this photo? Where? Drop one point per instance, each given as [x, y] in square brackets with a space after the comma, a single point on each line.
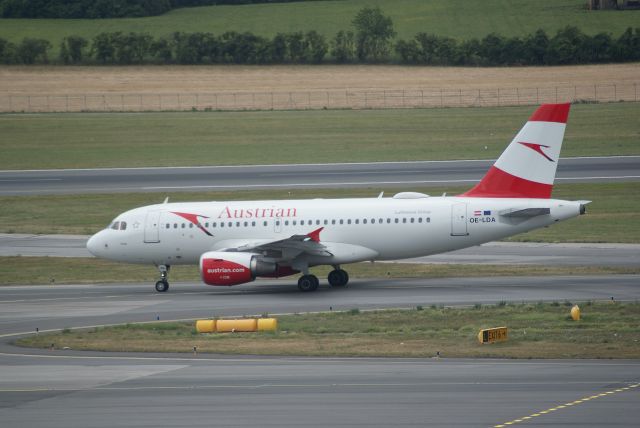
[490, 335]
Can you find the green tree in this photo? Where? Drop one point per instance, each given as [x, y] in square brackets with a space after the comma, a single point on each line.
[160, 49]
[31, 50]
[8, 53]
[72, 49]
[374, 32]
[316, 47]
[103, 47]
[535, 48]
[343, 46]
[279, 49]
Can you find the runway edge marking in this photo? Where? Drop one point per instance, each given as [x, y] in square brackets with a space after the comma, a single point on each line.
[565, 405]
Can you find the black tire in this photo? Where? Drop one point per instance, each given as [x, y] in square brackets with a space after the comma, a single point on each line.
[338, 278]
[345, 277]
[162, 286]
[308, 283]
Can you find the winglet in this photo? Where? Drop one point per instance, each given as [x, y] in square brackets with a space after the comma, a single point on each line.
[315, 235]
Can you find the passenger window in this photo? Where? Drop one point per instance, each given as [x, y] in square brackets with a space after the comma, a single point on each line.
[412, 219]
[230, 224]
[349, 221]
[326, 222]
[190, 225]
[246, 223]
[264, 223]
[183, 225]
[206, 224]
[364, 221]
[221, 224]
[404, 220]
[301, 222]
[237, 224]
[388, 220]
[253, 223]
[373, 221]
[357, 221]
[293, 222]
[277, 222]
[213, 224]
[175, 225]
[333, 221]
[397, 220]
[419, 219]
[380, 220]
[286, 222]
[167, 226]
[428, 219]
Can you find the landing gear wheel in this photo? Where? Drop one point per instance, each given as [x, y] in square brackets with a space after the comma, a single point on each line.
[162, 286]
[308, 283]
[338, 278]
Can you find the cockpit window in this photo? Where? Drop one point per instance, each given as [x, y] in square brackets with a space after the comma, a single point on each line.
[118, 225]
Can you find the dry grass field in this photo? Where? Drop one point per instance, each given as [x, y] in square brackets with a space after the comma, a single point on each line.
[179, 88]
[201, 79]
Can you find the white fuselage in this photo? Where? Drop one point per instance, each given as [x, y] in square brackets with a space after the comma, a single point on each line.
[403, 226]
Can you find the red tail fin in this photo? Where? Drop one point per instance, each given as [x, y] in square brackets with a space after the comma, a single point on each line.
[527, 168]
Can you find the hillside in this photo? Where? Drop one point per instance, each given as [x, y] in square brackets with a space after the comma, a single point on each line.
[461, 19]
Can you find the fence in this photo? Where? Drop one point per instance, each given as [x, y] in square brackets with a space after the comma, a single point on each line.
[318, 99]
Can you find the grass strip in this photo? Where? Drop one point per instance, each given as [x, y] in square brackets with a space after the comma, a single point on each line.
[536, 330]
[610, 218]
[88, 140]
[63, 270]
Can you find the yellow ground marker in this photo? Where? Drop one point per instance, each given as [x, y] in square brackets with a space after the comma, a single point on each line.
[562, 406]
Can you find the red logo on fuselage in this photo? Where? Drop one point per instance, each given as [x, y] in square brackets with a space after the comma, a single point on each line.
[538, 149]
[193, 218]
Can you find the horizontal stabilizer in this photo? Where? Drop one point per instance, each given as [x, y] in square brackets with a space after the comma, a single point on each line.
[525, 212]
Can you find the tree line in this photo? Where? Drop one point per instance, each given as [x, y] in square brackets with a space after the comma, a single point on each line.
[371, 41]
[97, 9]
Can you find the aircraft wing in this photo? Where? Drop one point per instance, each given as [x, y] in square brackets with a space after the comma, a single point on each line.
[289, 247]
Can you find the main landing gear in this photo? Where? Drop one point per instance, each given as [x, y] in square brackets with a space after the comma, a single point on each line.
[337, 278]
[163, 284]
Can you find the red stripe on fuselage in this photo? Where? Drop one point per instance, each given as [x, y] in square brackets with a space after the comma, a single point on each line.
[551, 113]
[499, 184]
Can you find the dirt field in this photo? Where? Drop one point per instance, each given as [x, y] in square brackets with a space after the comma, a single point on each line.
[306, 87]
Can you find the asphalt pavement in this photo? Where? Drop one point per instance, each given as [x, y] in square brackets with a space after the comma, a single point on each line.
[61, 388]
[375, 174]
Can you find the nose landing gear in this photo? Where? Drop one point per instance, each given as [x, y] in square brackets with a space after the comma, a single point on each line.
[163, 284]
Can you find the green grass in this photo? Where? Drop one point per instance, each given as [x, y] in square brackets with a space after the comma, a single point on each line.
[462, 19]
[610, 218]
[542, 330]
[85, 140]
[66, 270]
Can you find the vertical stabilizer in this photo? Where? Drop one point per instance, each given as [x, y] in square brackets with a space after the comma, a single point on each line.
[527, 168]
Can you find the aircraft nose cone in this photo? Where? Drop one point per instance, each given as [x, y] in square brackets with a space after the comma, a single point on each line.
[95, 244]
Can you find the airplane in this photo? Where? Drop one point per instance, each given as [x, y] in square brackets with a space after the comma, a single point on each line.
[236, 242]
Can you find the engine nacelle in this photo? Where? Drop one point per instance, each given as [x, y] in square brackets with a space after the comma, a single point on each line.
[229, 268]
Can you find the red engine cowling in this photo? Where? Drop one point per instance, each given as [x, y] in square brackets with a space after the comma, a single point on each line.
[228, 268]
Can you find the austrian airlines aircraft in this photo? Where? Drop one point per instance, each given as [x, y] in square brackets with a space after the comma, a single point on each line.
[235, 242]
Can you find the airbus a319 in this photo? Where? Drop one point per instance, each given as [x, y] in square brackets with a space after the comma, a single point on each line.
[236, 242]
